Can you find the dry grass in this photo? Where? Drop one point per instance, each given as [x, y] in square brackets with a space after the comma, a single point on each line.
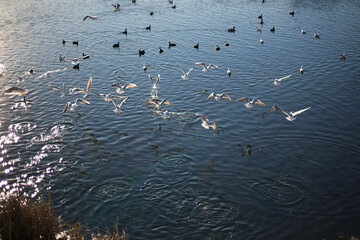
[24, 219]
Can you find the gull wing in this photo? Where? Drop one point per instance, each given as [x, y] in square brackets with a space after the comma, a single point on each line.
[202, 117]
[89, 84]
[201, 64]
[129, 85]
[224, 95]
[57, 70]
[67, 107]
[56, 88]
[152, 101]
[283, 78]
[213, 125]
[157, 79]
[168, 102]
[150, 78]
[41, 76]
[85, 18]
[82, 101]
[286, 113]
[211, 96]
[113, 101]
[190, 71]
[242, 99]
[300, 111]
[258, 101]
[213, 66]
[15, 90]
[182, 70]
[123, 101]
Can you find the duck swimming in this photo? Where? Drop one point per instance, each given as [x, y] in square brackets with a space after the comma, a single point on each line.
[116, 45]
[231, 29]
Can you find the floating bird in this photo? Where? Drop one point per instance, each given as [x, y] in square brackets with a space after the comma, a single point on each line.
[116, 7]
[206, 68]
[86, 91]
[277, 81]
[261, 22]
[185, 74]
[343, 56]
[303, 31]
[144, 67]
[157, 102]
[205, 121]
[171, 1]
[148, 27]
[272, 29]
[316, 35]
[63, 41]
[62, 58]
[85, 56]
[228, 72]
[250, 104]
[260, 16]
[141, 52]
[161, 50]
[14, 91]
[117, 109]
[47, 74]
[292, 13]
[75, 42]
[301, 69]
[133, 1]
[120, 89]
[217, 48]
[171, 44]
[31, 70]
[151, 13]
[125, 31]
[258, 29]
[173, 7]
[196, 46]
[218, 96]
[62, 90]
[116, 45]
[76, 64]
[261, 41]
[231, 29]
[90, 17]
[226, 44]
[291, 115]
[71, 106]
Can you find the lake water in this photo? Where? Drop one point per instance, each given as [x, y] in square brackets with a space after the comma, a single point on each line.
[256, 176]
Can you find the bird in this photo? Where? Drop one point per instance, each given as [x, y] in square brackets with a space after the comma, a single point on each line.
[31, 70]
[120, 89]
[291, 115]
[71, 106]
[226, 44]
[163, 114]
[85, 56]
[171, 1]
[117, 109]
[231, 29]
[144, 67]
[76, 64]
[116, 7]
[196, 46]
[317, 35]
[261, 41]
[62, 58]
[272, 29]
[148, 27]
[62, 90]
[173, 7]
[125, 31]
[14, 91]
[108, 97]
[228, 72]
[206, 68]
[157, 102]
[161, 50]
[116, 45]
[217, 48]
[24, 102]
[90, 17]
[141, 52]
[343, 56]
[133, 1]
[218, 96]
[301, 69]
[261, 22]
[205, 121]
[249, 104]
[75, 42]
[303, 31]
[258, 29]
[63, 41]
[151, 13]
[185, 74]
[156, 81]
[276, 81]
[86, 91]
[260, 16]
[47, 74]
[292, 13]
[171, 44]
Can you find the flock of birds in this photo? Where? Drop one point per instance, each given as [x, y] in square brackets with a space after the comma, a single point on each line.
[155, 103]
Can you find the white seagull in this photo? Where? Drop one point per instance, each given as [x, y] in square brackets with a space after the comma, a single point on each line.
[71, 106]
[301, 69]
[249, 104]
[185, 74]
[276, 81]
[206, 68]
[62, 90]
[86, 91]
[218, 96]
[117, 109]
[120, 89]
[228, 72]
[205, 121]
[47, 74]
[291, 115]
[14, 91]
[158, 102]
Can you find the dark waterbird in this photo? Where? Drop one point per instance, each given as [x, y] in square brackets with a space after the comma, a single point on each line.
[151, 13]
[292, 13]
[196, 46]
[63, 41]
[217, 48]
[148, 27]
[231, 29]
[75, 42]
[343, 56]
[116, 45]
[161, 50]
[173, 7]
[125, 31]
[272, 29]
[85, 56]
[226, 44]
[171, 44]
[260, 16]
[141, 52]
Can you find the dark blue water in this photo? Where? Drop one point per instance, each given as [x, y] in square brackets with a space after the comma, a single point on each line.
[256, 176]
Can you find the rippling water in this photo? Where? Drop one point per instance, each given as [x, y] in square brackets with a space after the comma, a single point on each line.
[257, 176]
